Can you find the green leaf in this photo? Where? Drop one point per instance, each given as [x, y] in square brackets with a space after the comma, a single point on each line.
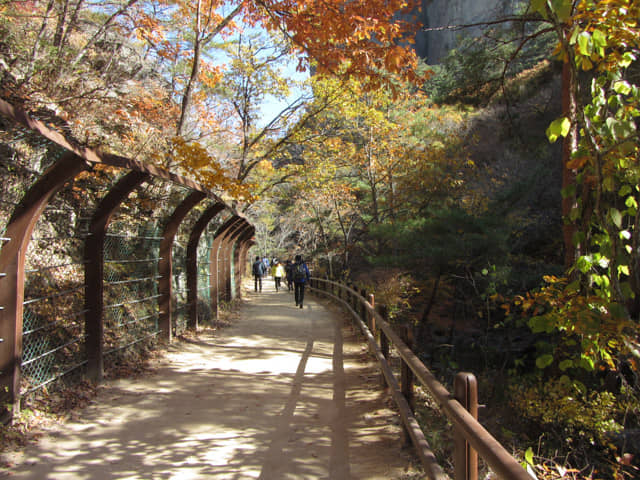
[599, 38]
[540, 7]
[585, 45]
[627, 59]
[543, 361]
[622, 87]
[587, 363]
[574, 35]
[624, 190]
[565, 365]
[584, 263]
[558, 128]
[616, 217]
[620, 129]
[562, 8]
[528, 456]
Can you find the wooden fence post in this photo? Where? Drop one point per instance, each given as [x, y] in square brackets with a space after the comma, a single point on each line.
[465, 390]
[406, 375]
[372, 317]
[384, 341]
[363, 310]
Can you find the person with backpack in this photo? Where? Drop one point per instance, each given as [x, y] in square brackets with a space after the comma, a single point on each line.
[288, 268]
[300, 278]
[258, 270]
[267, 265]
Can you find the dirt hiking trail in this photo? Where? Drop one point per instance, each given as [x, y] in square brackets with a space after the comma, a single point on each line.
[282, 393]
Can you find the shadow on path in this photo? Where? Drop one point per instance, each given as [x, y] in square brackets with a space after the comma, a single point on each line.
[283, 393]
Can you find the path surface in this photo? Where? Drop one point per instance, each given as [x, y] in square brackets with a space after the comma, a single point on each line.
[282, 393]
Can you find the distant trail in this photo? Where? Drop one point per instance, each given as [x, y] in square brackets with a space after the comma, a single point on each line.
[283, 393]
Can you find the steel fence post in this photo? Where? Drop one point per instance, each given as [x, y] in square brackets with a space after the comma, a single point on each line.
[12, 262]
[192, 261]
[165, 264]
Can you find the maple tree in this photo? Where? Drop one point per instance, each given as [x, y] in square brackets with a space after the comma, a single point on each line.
[359, 39]
[132, 45]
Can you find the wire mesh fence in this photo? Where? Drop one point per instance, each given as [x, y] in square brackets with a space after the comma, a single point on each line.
[53, 328]
[130, 288]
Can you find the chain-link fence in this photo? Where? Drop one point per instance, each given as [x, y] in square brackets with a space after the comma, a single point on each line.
[49, 211]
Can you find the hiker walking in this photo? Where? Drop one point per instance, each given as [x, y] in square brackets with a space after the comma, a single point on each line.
[300, 278]
[258, 270]
[278, 272]
[288, 268]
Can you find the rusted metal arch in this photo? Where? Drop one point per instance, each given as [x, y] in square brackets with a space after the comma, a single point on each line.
[226, 261]
[192, 261]
[226, 255]
[214, 270]
[165, 264]
[244, 241]
[12, 260]
[18, 115]
[94, 269]
[20, 228]
[219, 261]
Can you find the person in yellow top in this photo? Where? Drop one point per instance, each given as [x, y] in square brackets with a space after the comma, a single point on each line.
[278, 273]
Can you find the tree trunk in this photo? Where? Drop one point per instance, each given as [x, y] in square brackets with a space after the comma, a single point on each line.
[422, 325]
[37, 41]
[188, 93]
[200, 42]
[62, 19]
[98, 34]
[570, 145]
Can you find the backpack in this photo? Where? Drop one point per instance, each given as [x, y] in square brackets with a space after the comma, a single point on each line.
[299, 273]
[257, 268]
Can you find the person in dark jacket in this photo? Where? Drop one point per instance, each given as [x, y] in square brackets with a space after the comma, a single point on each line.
[258, 270]
[300, 278]
[288, 268]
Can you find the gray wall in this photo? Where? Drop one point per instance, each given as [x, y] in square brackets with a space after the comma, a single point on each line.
[432, 46]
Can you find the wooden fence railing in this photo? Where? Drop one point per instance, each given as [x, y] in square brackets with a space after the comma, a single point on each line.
[470, 437]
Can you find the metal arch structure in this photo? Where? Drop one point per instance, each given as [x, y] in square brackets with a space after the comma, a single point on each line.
[20, 227]
[246, 242]
[12, 264]
[227, 292]
[219, 271]
[192, 260]
[94, 269]
[165, 264]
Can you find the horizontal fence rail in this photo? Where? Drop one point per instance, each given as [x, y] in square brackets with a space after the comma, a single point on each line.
[469, 435]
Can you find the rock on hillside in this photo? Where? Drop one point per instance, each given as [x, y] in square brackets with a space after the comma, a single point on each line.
[434, 45]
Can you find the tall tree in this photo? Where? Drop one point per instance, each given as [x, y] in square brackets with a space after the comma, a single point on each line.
[599, 43]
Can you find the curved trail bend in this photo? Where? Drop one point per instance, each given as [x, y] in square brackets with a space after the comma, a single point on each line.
[282, 393]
